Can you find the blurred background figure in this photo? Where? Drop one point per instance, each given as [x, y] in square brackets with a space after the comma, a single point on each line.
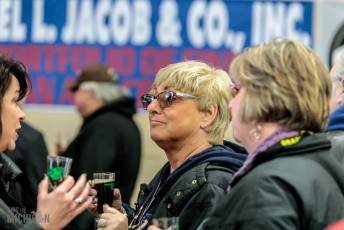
[336, 119]
[108, 140]
[335, 125]
[30, 156]
[337, 100]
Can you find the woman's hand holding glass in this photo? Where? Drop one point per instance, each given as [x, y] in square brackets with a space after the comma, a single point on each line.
[64, 203]
[112, 219]
[117, 200]
[116, 203]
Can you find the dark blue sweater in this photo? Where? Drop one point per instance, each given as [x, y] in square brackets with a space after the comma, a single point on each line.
[336, 120]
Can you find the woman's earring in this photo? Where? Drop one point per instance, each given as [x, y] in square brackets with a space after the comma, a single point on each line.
[204, 126]
[256, 133]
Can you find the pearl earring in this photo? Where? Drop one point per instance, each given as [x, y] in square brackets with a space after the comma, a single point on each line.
[255, 134]
[204, 126]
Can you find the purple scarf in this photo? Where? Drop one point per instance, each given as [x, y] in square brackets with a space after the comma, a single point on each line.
[268, 142]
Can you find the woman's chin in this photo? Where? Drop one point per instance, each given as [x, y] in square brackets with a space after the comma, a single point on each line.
[11, 146]
[235, 137]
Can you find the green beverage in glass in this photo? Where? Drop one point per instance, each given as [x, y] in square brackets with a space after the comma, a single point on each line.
[57, 168]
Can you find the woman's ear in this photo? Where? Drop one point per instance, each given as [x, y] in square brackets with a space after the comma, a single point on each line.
[342, 84]
[341, 99]
[209, 115]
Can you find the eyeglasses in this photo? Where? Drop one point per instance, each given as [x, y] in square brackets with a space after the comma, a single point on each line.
[165, 98]
[235, 88]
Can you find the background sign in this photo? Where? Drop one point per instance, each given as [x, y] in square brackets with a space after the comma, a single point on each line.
[55, 38]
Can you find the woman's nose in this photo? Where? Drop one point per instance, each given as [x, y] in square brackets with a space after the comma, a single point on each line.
[21, 114]
[154, 105]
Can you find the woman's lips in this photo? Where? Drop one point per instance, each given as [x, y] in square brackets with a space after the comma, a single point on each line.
[155, 122]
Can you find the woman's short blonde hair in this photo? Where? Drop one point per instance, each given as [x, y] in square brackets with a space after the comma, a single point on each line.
[210, 85]
[286, 83]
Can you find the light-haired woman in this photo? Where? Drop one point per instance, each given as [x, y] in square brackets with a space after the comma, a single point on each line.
[188, 116]
[280, 107]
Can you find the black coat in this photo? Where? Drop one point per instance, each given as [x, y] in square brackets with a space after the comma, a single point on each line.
[337, 140]
[108, 141]
[30, 155]
[12, 215]
[282, 188]
[335, 130]
[190, 191]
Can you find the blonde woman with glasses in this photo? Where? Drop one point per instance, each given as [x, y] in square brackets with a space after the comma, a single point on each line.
[188, 116]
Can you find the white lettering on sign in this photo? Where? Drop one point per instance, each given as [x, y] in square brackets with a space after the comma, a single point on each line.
[11, 27]
[208, 24]
[277, 19]
[142, 29]
[193, 23]
[216, 24]
[41, 32]
[67, 33]
[103, 10]
[119, 22]
[168, 27]
[85, 26]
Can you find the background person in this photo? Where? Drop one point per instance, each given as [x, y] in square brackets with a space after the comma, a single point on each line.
[335, 125]
[30, 155]
[59, 205]
[280, 107]
[108, 140]
[337, 100]
[188, 116]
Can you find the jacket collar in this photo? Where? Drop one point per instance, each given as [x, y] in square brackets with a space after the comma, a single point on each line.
[8, 169]
[300, 144]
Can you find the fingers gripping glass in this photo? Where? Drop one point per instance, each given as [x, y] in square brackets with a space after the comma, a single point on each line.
[165, 98]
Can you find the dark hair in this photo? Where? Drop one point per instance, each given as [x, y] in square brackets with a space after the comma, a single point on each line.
[8, 68]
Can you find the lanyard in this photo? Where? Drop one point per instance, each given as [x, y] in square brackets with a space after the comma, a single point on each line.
[144, 208]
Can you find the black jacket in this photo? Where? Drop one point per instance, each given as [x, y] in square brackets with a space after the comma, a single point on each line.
[12, 215]
[282, 188]
[337, 140]
[335, 130]
[30, 155]
[108, 141]
[190, 191]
